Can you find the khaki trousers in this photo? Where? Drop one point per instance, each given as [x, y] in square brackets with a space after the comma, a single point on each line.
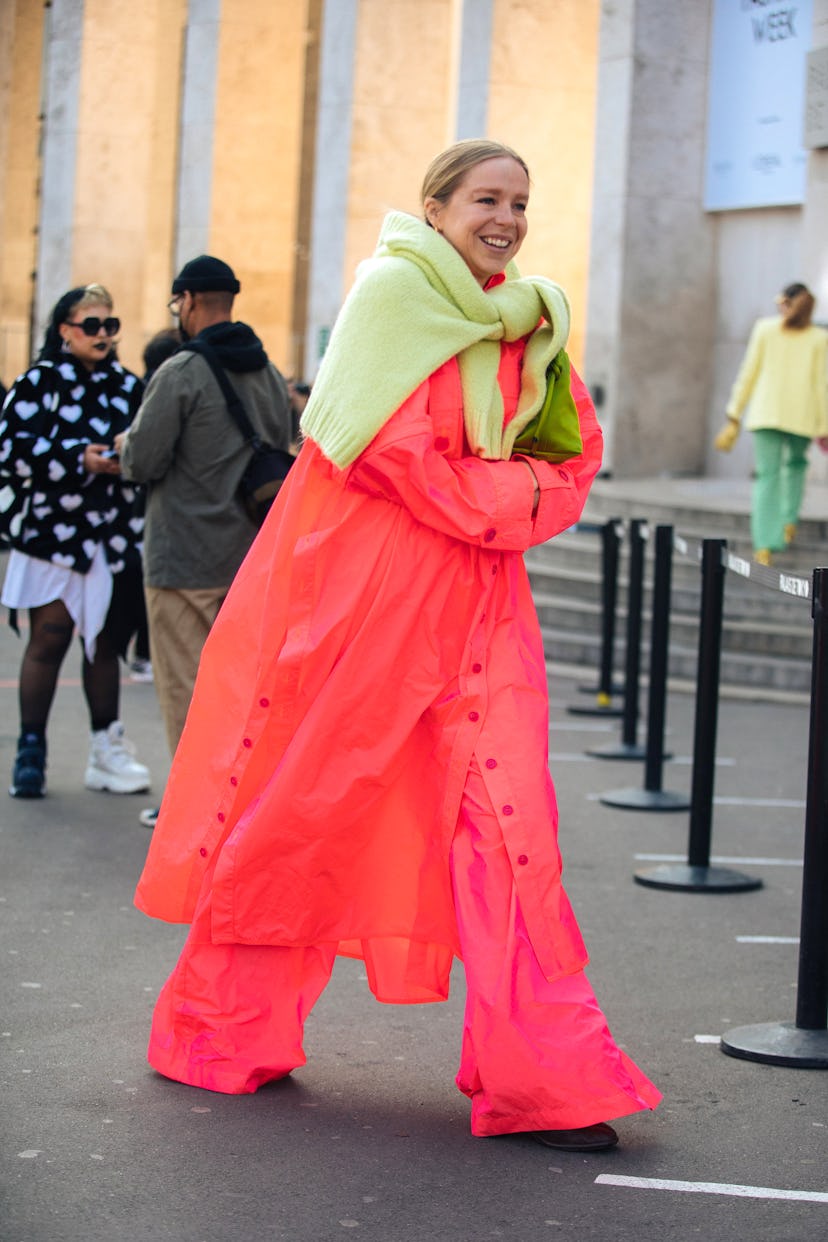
[179, 622]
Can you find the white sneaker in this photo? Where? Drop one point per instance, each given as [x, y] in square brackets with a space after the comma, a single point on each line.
[112, 764]
[140, 670]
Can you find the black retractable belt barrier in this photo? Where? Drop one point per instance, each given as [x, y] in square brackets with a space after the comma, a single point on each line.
[697, 875]
[603, 706]
[652, 797]
[804, 1045]
[629, 748]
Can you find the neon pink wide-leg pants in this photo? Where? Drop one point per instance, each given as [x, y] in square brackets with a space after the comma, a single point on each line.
[536, 1055]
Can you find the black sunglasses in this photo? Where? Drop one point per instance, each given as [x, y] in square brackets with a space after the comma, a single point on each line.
[91, 325]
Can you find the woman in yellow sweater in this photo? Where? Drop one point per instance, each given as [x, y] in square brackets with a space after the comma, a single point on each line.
[784, 376]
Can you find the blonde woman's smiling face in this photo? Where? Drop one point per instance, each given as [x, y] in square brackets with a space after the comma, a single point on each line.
[485, 218]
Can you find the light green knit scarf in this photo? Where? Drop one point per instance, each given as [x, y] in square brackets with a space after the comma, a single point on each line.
[414, 305]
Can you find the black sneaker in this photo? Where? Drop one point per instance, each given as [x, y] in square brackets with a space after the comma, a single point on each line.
[29, 775]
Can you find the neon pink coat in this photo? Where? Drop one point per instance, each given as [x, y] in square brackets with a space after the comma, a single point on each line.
[380, 631]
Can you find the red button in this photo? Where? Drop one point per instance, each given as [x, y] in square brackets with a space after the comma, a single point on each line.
[234, 780]
[522, 859]
[477, 668]
[508, 810]
[564, 475]
[220, 817]
[491, 763]
[474, 715]
[441, 444]
[264, 702]
[489, 535]
[247, 742]
[203, 852]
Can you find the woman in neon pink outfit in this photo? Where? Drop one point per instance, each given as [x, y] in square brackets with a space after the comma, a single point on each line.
[364, 768]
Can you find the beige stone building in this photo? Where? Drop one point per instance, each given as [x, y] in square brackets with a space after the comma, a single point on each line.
[276, 134]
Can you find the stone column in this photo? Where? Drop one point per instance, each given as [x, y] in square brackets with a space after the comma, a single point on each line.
[198, 109]
[814, 232]
[63, 38]
[473, 69]
[330, 187]
[652, 277]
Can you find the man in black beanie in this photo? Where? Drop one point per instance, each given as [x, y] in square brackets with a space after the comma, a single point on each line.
[186, 447]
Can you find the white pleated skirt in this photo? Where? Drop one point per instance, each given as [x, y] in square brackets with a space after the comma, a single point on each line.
[30, 582]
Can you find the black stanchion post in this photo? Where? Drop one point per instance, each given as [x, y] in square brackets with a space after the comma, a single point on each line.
[805, 1043]
[629, 747]
[652, 797]
[697, 875]
[610, 543]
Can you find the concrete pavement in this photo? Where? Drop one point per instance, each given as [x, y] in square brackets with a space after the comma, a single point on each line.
[370, 1140]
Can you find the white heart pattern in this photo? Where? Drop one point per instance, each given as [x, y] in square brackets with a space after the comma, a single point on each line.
[26, 409]
[7, 495]
[72, 501]
[68, 562]
[100, 425]
[63, 532]
[41, 446]
[56, 471]
[71, 413]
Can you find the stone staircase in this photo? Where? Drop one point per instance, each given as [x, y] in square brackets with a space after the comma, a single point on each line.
[767, 635]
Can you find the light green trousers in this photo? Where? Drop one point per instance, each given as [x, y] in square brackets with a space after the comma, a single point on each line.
[781, 461]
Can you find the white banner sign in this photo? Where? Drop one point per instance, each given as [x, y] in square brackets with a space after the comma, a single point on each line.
[755, 156]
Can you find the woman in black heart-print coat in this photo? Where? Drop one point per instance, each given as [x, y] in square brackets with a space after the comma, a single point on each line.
[75, 560]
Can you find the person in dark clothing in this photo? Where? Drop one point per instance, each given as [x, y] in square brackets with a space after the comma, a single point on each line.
[157, 350]
[186, 448]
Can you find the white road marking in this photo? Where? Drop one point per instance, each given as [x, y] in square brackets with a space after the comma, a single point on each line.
[712, 1188]
[764, 804]
[707, 1039]
[561, 756]
[767, 939]
[789, 803]
[723, 858]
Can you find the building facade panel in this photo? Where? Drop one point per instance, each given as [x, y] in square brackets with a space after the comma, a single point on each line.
[21, 51]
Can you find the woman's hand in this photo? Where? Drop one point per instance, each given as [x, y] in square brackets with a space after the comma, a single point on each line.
[100, 459]
[536, 500]
[728, 436]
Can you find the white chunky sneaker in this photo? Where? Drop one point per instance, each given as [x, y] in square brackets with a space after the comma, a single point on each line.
[140, 670]
[112, 763]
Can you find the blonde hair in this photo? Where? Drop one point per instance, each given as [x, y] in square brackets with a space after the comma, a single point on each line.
[93, 295]
[447, 170]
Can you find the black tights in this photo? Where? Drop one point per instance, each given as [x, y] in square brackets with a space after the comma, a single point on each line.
[51, 629]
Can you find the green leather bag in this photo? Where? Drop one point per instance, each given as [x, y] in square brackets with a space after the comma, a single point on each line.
[554, 434]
